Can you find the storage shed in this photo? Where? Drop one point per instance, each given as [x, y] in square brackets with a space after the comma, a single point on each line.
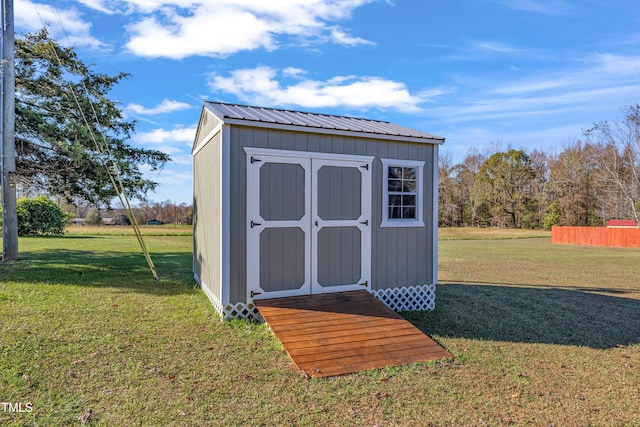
[621, 223]
[292, 203]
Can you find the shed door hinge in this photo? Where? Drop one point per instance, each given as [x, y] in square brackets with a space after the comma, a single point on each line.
[365, 166]
[365, 283]
[254, 293]
[254, 160]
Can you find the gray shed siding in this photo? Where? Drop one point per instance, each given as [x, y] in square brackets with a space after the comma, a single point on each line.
[400, 256]
[207, 221]
[339, 255]
[282, 259]
[339, 248]
[339, 193]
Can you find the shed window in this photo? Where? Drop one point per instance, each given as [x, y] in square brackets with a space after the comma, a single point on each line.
[402, 193]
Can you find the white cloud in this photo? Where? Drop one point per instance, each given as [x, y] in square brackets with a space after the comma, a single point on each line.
[340, 37]
[529, 86]
[183, 159]
[139, 6]
[164, 136]
[99, 5]
[64, 25]
[593, 74]
[537, 109]
[617, 64]
[181, 28]
[260, 86]
[495, 47]
[596, 84]
[166, 106]
[545, 7]
[293, 72]
[221, 33]
[168, 149]
[173, 180]
[429, 95]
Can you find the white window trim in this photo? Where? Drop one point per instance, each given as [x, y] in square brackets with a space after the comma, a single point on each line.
[395, 222]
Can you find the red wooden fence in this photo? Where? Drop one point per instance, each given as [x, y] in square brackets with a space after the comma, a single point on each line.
[596, 236]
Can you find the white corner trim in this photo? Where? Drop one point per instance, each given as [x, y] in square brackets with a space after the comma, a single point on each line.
[434, 215]
[386, 222]
[217, 305]
[225, 262]
[206, 139]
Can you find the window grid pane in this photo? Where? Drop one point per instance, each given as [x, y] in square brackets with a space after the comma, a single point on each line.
[402, 190]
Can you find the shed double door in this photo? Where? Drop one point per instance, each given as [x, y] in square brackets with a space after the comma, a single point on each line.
[308, 223]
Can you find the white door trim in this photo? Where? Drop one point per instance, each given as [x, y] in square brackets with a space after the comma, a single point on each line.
[308, 160]
[305, 154]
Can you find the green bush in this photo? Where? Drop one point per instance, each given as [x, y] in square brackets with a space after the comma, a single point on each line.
[40, 217]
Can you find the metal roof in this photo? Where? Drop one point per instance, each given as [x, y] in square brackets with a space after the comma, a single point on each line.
[234, 112]
[621, 223]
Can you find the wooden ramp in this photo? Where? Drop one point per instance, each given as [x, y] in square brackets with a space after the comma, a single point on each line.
[345, 332]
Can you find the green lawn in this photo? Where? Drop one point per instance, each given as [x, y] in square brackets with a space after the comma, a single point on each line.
[543, 335]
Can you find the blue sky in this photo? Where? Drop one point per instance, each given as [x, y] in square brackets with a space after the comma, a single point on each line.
[482, 73]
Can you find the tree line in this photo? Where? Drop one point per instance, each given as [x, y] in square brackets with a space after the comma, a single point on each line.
[167, 212]
[585, 182]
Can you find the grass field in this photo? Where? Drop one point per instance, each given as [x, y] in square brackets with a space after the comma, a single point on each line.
[118, 230]
[543, 335]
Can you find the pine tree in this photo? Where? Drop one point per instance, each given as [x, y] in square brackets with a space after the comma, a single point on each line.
[68, 132]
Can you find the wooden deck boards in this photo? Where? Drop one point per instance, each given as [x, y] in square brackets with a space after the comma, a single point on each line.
[345, 332]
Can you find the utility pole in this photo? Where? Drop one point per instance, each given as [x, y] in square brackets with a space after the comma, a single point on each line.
[8, 153]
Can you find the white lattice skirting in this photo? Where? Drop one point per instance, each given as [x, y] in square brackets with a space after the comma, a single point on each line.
[231, 311]
[409, 298]
[241, 311]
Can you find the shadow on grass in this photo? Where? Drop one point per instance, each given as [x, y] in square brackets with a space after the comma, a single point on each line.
[103, 268]
[532, 315]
